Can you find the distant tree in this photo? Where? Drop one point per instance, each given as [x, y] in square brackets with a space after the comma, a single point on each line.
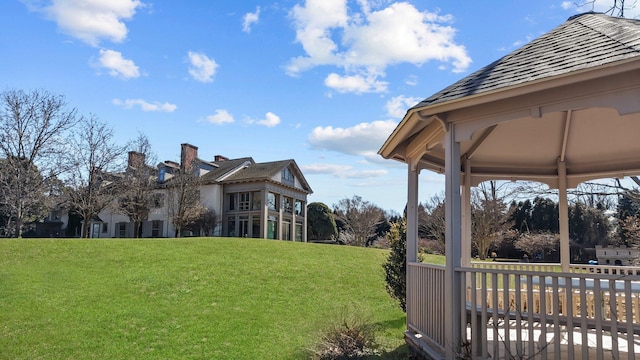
[381, 230]
[183, 200]
[489, 218]
[23, 195]
[320, 222]
[544, 216]
[395, 268]
[95, 158]
[539, 246]
[137, 188]
[360, 218]
[207, 222]
[627, 211]
[431, 222]
[33, 126]
[589, 226]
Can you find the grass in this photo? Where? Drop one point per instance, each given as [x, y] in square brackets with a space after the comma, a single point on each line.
[196, 298]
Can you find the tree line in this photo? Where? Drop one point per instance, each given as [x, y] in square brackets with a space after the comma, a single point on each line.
[53, 157]
[502, 226]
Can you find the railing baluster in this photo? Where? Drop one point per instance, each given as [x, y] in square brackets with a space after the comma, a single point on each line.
[584, 312]
[628, 307]
[518, 286]
[598, 305]
[568, 311]
[557, 338]
[542, 341]
[476, 330]
[506, 304]
[613, 316]
[483, 298]
[495, 318]
[530, 311]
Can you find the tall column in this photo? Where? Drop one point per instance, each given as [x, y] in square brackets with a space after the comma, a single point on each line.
[305, 223]
[466, 215]
[453, 236]
[565, 255]
[412, 214]
[264, 218]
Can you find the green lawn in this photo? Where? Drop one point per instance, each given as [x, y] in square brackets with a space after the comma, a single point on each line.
[195, 298]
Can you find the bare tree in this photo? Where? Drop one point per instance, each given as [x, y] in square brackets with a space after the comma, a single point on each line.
[431, 221]
[32, 136]
[207, 222]
[137, 188]
[489, 218]
[360, 219]
[183, 196]
[617, 7]
[92, 181]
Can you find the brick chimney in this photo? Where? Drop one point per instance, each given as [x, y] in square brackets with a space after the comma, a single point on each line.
[220, 158]
[136, 160]
[188, 156]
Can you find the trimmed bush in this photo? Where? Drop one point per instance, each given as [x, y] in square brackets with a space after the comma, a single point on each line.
[395, 268]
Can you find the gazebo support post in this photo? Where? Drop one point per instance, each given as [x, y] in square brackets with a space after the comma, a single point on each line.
[453, 243]
[563, 208]
[466, 216]
[412, 213]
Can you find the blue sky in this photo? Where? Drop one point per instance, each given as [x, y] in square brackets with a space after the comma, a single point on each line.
[323, 82]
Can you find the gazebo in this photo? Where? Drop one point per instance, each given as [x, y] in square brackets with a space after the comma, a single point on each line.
[560, 110]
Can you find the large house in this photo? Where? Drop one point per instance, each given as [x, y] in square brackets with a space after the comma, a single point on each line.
[260, 200]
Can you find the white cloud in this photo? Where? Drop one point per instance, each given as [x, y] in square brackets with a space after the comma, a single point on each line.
[144, 105]
[397, 106]
[363, 139]
[322, 168]
[117, 65]
[365, 43]
[220, 117]
[355, 84]
[341, 171]
[270, 120]
[250, 19]
[91, 21]
[202, 68]
[412, 80]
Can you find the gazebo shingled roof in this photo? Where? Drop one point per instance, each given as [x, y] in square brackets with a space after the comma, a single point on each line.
[542, 102]
[584, 41]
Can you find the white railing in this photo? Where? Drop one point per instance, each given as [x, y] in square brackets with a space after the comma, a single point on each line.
[524, 314]
[425, 303]
[514, 313]
[555, 267]
[495, 265]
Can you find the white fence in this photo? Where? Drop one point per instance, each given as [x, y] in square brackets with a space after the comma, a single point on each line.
[516, 311]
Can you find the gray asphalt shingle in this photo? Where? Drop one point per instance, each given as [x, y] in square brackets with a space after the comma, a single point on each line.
[583, 41]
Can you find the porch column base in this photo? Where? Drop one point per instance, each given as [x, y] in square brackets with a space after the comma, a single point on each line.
[421, 345]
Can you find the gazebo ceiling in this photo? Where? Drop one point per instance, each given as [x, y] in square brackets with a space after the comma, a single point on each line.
[573, 95]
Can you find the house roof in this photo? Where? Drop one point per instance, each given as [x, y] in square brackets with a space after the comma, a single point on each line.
[584, 41]
[266, 171]
[246, 169]
[224, 168]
